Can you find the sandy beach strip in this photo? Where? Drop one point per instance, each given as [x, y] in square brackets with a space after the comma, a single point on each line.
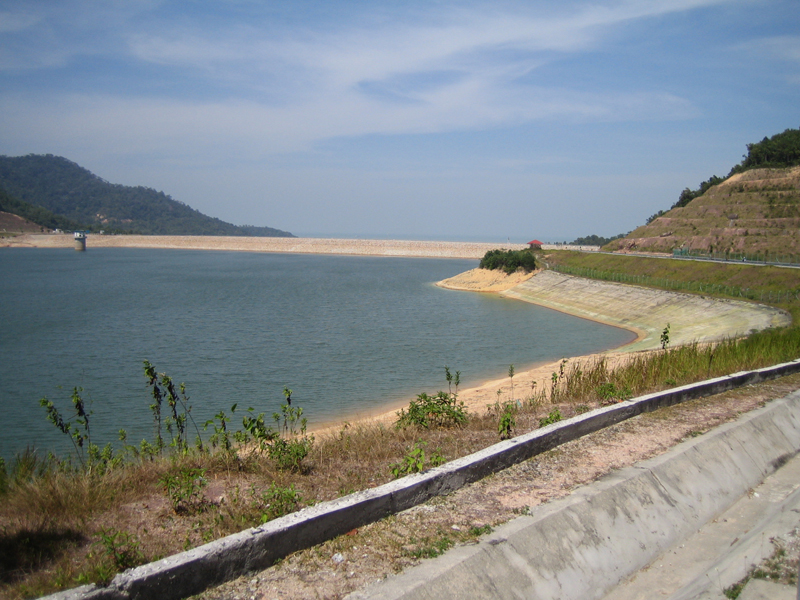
[358, 247]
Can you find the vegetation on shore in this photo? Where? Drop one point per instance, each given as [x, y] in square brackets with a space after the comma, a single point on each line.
[509, 261]
[54, 192]
[595, 240]
[35, 214]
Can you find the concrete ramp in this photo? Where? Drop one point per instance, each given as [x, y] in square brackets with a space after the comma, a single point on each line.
[647, 311]
[582, 546]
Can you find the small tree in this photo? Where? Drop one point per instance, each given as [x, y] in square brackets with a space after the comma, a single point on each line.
[665, 337]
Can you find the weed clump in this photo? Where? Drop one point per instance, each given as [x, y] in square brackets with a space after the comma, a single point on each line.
[415, 461]
[553, 417]
[432, 412]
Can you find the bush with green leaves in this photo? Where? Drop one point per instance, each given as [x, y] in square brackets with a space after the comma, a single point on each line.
[257, 430]
[289, 448]
[288, 454]
[432, 412]
[509, 260]
[78, 428]
[278, 501]
[507, 421]
[162, 388]
[122, 548]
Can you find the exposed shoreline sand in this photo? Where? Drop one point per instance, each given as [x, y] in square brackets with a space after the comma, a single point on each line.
[643, 311]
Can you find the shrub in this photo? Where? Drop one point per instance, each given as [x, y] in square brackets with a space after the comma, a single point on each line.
[185, 490]
[278, 501]
[441, 410]
[288, 454]
[508, 420]
[509, 260]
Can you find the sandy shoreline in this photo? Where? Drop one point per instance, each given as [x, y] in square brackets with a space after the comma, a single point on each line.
[478, 398]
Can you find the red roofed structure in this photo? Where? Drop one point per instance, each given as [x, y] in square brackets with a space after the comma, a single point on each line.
[535, 244]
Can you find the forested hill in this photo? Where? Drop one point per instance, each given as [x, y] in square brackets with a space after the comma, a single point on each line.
[754, 211]
[66, 189]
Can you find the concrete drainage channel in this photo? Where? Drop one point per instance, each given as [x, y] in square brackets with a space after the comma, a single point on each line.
[191, 572]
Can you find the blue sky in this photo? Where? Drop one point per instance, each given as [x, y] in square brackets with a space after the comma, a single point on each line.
[436, 119]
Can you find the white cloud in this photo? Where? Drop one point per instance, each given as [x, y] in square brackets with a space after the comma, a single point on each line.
[468, 40]
[282, 90]
[39, 34]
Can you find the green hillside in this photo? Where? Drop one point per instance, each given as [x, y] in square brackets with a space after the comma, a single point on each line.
[754, 211]
[35, 214]
[67, 190]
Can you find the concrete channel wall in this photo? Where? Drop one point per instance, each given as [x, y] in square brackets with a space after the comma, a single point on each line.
[191, 572]
[580, 547]
[646, 310]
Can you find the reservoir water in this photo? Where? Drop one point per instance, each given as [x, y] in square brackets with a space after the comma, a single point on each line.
[347, 334]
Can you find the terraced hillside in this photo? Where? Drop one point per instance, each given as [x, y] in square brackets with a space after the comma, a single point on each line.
[753, 212]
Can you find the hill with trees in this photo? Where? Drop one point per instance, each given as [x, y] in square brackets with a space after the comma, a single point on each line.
[55, 192]
[755, 210]
[29, 213]
[595, 240]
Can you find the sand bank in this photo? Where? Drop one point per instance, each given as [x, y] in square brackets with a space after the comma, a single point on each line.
[402, 248]
[484, 280]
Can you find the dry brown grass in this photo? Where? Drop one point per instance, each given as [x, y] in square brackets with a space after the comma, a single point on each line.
[61, 527]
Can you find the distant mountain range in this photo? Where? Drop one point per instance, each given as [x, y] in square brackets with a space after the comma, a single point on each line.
[54, 192]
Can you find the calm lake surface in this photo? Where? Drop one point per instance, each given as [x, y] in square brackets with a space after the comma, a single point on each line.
[347, 334]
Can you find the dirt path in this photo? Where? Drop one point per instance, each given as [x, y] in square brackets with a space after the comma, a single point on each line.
[350, 562]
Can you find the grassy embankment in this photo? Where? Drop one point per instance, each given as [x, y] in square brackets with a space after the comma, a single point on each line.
[776, 286]
[64, 524]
